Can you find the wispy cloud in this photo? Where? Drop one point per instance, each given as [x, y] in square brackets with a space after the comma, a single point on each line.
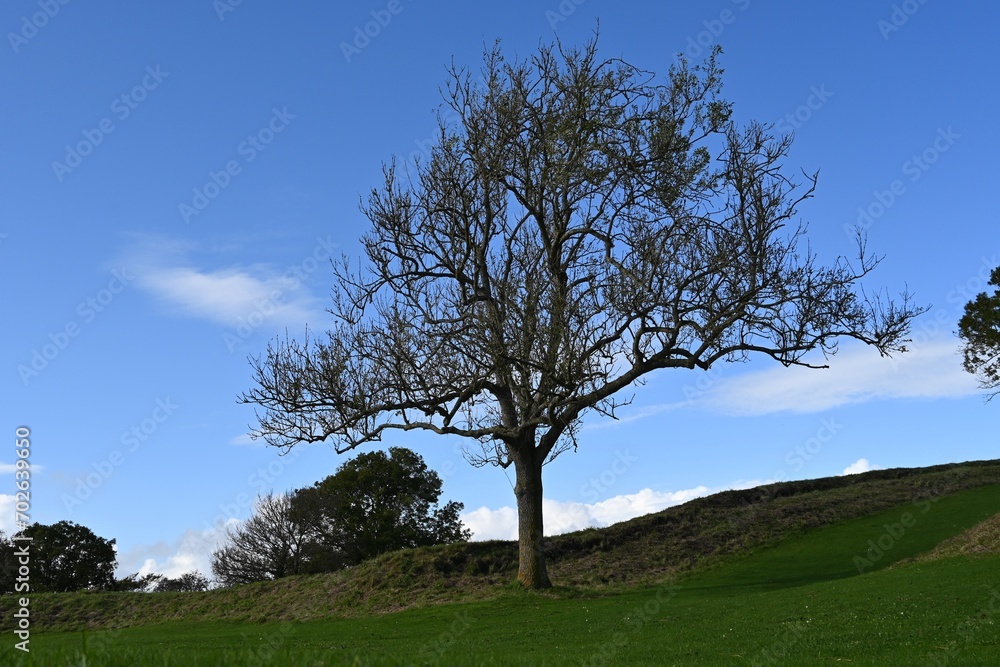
[856, 375]
[234, 295]
[245, 440]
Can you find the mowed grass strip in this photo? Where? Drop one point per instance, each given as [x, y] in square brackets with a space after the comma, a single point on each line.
[942, 612]
[799, 602]
[858, 546]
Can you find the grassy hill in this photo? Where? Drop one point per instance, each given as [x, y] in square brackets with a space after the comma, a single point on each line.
[791, 573]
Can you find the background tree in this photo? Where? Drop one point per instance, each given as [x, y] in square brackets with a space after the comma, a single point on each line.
[69, 557]
[189, 582]
[8, 564]
[133, 583]
[580, 228]
[979, 329]
[268, 545]
[373, 504]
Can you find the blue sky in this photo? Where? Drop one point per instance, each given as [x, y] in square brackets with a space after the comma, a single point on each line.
[175, 176]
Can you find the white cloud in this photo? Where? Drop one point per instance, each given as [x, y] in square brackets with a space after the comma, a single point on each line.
[567, 516]
[7, 514]
[857, 374]
[11, 468]
[487, 524]
[191, 551]
[859, 466]
[245, 440]
[234, 295]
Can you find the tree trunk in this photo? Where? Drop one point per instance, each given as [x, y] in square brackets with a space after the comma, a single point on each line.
[531, 570]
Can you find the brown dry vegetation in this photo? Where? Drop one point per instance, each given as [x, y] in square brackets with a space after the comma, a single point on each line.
[982, 539]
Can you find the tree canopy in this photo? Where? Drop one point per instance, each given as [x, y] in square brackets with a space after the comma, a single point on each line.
[580, 227]
[372, 504]
[66, 556]
[979, 329]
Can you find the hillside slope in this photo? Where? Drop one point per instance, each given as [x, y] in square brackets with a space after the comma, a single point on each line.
[983, 539]
[697, 537]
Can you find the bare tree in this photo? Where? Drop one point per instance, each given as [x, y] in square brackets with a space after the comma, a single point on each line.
[268, 545]
[581, 227]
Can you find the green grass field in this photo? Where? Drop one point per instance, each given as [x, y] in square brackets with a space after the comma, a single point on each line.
[798, 600]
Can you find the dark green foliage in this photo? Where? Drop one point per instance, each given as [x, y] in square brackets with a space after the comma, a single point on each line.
[69, 557]
[374, 504]
[8, 564]
[189, 582]
[980, 330]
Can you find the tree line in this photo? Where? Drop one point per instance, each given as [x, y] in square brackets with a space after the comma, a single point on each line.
[66, 557]
[372, 504]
